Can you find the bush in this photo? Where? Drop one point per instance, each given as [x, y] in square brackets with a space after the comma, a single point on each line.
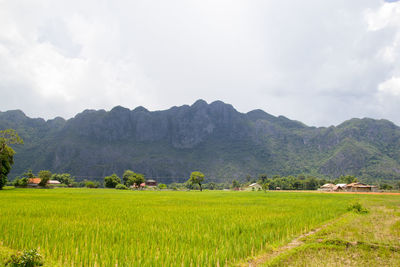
[357, 208]
[121, 187]
[90, 184]
[111, 181]
[28, 258]
[162, 186]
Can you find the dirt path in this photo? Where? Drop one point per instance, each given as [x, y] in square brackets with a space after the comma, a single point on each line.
[297, 242]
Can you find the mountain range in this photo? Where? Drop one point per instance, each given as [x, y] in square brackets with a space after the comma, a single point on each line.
[213, 138]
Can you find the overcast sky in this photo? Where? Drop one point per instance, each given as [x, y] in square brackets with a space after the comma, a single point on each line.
[320, 62]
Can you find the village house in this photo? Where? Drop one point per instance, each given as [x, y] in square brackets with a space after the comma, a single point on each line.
[353, 187]
[151, 183]
[134, 186]
[360, 187]
[327, 187]
[254, 187]
[34, 182]
[339, 187]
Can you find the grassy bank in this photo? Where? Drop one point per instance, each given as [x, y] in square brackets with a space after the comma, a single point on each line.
[355, 239]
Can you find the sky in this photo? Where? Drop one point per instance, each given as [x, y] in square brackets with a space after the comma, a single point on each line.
[319, 62]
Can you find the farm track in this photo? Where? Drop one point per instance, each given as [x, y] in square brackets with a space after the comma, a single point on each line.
[297, 242]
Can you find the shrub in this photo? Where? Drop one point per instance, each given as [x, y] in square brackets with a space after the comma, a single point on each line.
[162, 186]
[121, 187]
[90, 184]
[111, 181]
[357, 208]
[28, 258]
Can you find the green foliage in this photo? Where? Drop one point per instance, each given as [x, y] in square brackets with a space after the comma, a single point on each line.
[357, 208]
[111, 181]
[211, 186]
[263, 178]
[44, 176]
[196, 178]
[246, 144]
[265, 186]
[64, 178]
[28, 258]
[385, 187]
[346, 179]
[91, 184]
[121, 187]
[235, 184]
[28, 174]
[127, 177]
[131, 178]
[7, 138]
[21, 182]
[162, 186]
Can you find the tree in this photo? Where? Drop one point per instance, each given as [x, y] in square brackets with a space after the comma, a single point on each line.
[263, 178]
[348, 179]
[248, 178]
[111, 181]
[131, 178]
[128, 174]
[28, 174]
[385, 187]
[311, 183]
[64, 178]
[138, 179]
[196, 178]
[44, 177]
[212, 186]
[235, 184]
[21, 182]
[7, 138]
[265, 187]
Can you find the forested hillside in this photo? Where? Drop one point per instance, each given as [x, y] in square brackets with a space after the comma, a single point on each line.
[214, 138]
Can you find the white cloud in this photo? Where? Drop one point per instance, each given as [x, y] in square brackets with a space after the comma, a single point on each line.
[391, 87]
[387, 18]
[320, 62]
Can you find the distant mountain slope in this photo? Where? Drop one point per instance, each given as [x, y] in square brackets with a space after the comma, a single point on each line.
[213, 138]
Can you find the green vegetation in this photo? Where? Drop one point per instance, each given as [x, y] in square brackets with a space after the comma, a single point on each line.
[352, 240]
[130, 178]
[7, 138]
[64, 178]
[196, 178]
[84, 227]
[121, 187]
[45, 177]
[27, 258]
[357, 208]
[225, 144]
[112, 181]
[91, 184]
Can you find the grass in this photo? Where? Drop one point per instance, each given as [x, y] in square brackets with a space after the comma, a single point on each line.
[105, 227]
[356, 239]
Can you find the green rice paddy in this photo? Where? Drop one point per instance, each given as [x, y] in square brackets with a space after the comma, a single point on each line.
[100, 227]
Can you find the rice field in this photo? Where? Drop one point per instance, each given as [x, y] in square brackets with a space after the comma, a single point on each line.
[100, 227]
